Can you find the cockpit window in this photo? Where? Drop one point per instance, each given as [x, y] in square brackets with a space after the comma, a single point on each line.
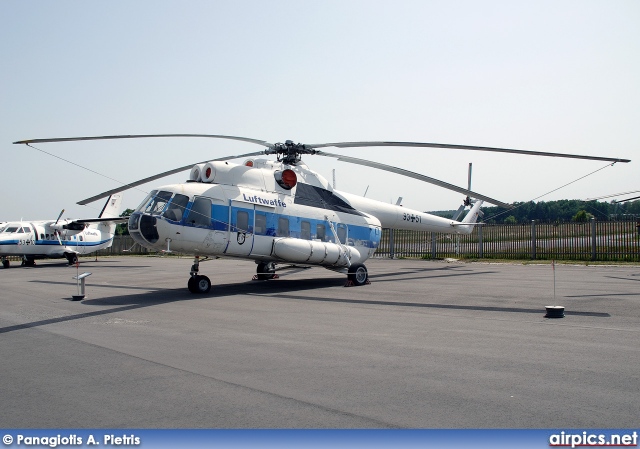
[146, 201]
[157, 204]
[176, 207]
[11, 229]
[26, 229]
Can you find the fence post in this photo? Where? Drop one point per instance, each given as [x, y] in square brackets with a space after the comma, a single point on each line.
[391, 249]
[593, 238]
[480, 252]
[433, 245]
[533, 239]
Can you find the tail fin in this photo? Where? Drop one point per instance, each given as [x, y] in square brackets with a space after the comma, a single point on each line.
[111, 208]
[467, 224]
[474, 213]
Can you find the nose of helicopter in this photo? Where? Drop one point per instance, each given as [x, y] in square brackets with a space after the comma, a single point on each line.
[143, 229]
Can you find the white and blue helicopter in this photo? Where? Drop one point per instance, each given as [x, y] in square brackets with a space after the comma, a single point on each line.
[281, 212]
[61, 237]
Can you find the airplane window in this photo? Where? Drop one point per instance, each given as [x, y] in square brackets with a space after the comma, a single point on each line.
[19, 231]
[261, 224]
[159, 202]
[242, 221]
[305, 230]
[342, 234]
[283, 227]
[200, 213]
[176, 207]
[11, 229]
[42, 236]
[27, 229]
[81, 239]
[321, 233]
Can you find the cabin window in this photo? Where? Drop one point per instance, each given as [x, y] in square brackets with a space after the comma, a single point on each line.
[283, 227]
[176, 207]
[305, 230]
[342, 234]
[261, 224]
[242, 221]
[321, 233]
[200, 213]
[41, 236]
[81, 238]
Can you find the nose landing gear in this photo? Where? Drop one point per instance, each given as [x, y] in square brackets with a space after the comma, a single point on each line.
[197, 282]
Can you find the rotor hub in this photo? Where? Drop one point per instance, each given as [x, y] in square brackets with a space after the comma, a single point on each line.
[289, 152]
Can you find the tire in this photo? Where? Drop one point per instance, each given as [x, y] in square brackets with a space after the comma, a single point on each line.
[199, 284]
[266, 271]
[6, 263]
[73, 259]
[358, 274]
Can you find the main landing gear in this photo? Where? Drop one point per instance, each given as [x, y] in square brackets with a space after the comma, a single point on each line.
[5, 262]
[72, 258]
[357, 275]
[28, 262]
[197, 282]
[266, 271]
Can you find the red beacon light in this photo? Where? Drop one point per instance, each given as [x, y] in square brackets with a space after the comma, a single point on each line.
[248, 163]
[286, 179]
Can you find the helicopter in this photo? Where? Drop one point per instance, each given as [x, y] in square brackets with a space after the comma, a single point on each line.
[280, 211]
[59, 238]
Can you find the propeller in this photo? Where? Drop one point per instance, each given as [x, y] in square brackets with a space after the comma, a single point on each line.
[55, 231]
[290, 153]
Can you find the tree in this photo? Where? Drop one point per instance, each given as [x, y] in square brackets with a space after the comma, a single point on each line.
[121, 228]
[582, 215]
[510, 220]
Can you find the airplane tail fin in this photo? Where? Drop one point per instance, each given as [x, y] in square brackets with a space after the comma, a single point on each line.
[111, 208]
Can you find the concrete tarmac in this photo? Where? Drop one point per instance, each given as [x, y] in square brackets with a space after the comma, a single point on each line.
[428, 344]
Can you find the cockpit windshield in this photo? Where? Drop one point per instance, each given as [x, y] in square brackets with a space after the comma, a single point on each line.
[155, 203]
[176, 207]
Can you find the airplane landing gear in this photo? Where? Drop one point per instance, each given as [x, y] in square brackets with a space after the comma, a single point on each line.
[197, 282]
[5, 262]
[28, 262]
[72, 258]
[358, 275]
[266, 271]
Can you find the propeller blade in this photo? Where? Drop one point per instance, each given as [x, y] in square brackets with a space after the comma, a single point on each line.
[411, 174]
[158, 176]
[461, 147]
[470, 165]
[58, 219]
[142, 136]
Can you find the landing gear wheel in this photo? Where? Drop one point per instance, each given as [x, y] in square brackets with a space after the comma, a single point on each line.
[6, 263]
[266, 271]
[28, 262]
[72, 258]
[358, 274]
[199, 284]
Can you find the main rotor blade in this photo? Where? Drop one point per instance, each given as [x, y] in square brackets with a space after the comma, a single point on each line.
[161, 175]
[144, 136]
[461, 147]
[418, 176]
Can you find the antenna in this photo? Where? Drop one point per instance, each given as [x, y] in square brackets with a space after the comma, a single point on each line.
[334, 178]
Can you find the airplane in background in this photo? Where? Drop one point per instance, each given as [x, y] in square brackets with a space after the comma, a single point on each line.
[56, 239]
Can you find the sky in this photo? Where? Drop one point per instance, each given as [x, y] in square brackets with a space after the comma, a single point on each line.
[554, 76]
